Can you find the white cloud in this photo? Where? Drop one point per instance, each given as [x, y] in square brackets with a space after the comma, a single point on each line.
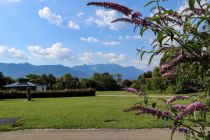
[136, 37]
[80, 14]
[104, 19]
[74, 25]
[89, 39]
[11, 52]
[95, 40]
[56, 52]
[111, 43]
[86, 57]
[111, 57]
[51, 17]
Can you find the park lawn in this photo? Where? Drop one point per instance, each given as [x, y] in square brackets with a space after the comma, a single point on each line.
[113, 93]
[77, 112]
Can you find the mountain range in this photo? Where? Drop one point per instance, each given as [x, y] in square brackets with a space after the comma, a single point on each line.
[81, 71]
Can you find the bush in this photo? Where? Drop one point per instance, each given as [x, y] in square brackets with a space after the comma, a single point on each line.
[47, 94]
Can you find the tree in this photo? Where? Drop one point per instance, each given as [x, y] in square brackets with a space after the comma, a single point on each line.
[118, 78]
[88, 83]
[51, 80]
[44, 79]
[68, 81]
[4, 80]
[34, 78]
[105, 81]
[126, 83]
[1, 79]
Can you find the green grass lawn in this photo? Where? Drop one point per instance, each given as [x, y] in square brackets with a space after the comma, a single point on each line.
[113, 93]
[76, 112]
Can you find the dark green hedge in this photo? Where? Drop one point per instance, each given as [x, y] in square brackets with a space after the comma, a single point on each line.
[48, 94]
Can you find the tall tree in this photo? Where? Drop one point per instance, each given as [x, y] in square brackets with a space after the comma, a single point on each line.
[51, 80]
[1, 79]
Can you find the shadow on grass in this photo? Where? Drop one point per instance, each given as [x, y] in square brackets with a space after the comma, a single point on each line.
[11, 127]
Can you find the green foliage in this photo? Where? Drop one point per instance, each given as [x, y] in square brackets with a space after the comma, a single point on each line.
[47, 94]
[105, 81]
[135, 84]
[4, 80]
[34, 78]
[126, 83]
[70, 82]
[88, 83]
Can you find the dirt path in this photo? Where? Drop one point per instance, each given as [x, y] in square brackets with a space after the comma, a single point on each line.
[91, 134]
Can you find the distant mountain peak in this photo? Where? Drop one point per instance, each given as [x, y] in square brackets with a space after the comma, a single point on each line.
[81, 71]
[129, 72]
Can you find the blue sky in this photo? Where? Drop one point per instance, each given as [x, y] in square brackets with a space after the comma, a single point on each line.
[68, 32]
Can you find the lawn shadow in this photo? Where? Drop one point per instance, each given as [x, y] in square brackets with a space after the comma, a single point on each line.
[6, 121]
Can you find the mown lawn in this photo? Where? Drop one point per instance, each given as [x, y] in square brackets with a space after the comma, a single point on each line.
[113, 93]
[76, 112]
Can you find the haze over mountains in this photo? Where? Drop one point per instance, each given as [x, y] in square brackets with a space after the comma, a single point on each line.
[82, 71]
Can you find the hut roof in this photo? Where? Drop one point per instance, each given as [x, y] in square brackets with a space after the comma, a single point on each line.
[20, 84]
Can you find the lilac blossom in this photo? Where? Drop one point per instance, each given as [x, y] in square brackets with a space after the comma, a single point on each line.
[168, 74]
[110, 5]
[190, 109]
[178, 107]
[183, 130]
[132, 90]
[149, 111]
[174, 62]
[174, 98]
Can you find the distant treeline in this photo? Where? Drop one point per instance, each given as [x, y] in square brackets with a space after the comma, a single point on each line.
[103, 81]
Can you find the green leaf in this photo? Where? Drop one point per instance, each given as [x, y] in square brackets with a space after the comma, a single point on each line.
[160, 36]
[149, 3]
[142, 31]
[141, 53]
[150, 60]
[192, 4]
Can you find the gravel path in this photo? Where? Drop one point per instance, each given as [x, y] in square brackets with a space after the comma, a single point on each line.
[90, 134]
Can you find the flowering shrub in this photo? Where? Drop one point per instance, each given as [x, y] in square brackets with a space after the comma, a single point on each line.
[190, 43]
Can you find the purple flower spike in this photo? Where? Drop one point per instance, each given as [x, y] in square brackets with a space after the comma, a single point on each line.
[178, 107]
[173, 63]
[174, 98]
[190, 109]
[149, 111]
[132, 90]
[183, 130]
[154, 112]
[167, 74]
